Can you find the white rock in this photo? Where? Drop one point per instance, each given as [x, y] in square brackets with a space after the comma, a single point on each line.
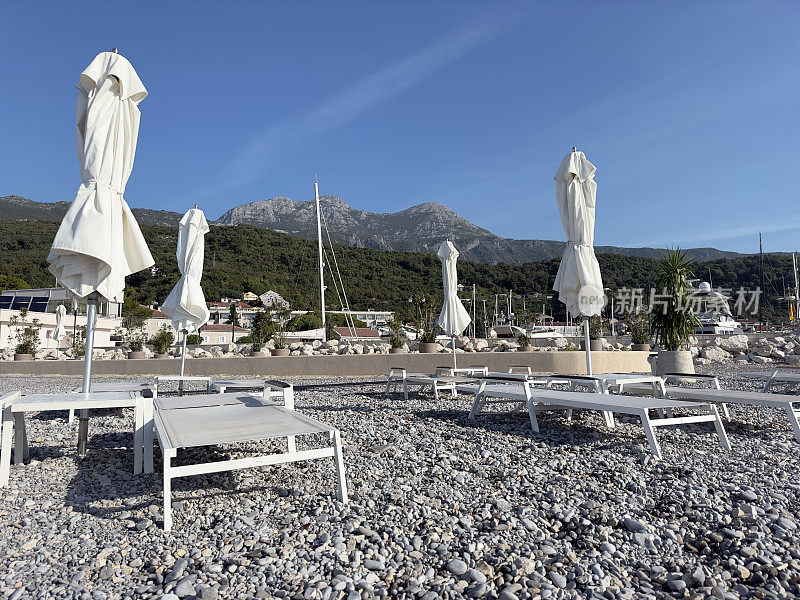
[735, 344]
[715, 353]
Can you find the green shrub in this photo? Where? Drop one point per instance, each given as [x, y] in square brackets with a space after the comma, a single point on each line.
[26, 334]
[595, 327]
[194, 339]
[163, 340]
[524, 341]
[639, 325]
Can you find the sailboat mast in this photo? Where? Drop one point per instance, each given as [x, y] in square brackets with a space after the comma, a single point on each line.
[796, 289]
[761, 281]
[321, 263]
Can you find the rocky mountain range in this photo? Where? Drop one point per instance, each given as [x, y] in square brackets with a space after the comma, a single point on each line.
[420, 228]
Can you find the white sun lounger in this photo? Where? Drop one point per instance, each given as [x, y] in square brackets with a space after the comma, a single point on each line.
[113, 386]
[504, 388]
[789, 404]
[218, 419]
[15, 405]
[160, 381]
[770, 378]
[545, 399]
[438, 383]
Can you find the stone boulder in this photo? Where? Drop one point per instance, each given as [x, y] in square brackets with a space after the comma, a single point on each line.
[758, 359]
[764, 350]
[715, 354]
[735, 344]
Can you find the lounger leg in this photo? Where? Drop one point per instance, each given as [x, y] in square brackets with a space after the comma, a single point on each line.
[790, 412]
[149, 434]
[71, 418]
[569, 415]
[5, 445]
[388, 385]
[138, 435]
[405, 390]
[337, 455]
[288, 402]
[721, 433]
[608, 417]
[168, 454]
[725, 411]
[655, 450]
[20, 439]
[477, 406]
[435, 393]
[532, 415]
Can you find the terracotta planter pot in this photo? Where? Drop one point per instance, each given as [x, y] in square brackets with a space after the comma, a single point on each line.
[160, 356]
[594, 345]
[428, 347]
[258, 354]
[138, 355]
[397, 350]
[525, 349]
[23, 357]
[640, 347]
[280, 352]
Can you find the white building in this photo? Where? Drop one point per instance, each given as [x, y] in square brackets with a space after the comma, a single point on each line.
[221, 334]
[373, 318]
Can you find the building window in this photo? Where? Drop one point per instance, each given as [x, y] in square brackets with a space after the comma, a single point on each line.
[221, 339]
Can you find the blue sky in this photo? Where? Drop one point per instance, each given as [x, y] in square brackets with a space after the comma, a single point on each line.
[690, 111]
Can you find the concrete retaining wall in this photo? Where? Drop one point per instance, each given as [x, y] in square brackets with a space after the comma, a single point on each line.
[566, 362]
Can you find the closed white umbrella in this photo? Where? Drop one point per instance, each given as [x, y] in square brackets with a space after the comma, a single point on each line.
[59, 331]
[454, 318]
[186, 304]
[99, 242]
[578, 281]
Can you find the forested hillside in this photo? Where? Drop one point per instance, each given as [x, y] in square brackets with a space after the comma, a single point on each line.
[243, 258]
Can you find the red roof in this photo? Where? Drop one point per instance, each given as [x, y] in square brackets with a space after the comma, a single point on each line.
[361, 332]
[222, 328]
[157, 314]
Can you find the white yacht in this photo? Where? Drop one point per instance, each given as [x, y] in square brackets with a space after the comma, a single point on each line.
[713, 312]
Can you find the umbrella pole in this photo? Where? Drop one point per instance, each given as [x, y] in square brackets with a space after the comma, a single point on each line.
[83, 423]
[454, 355]
[183, 351]
[587, 346]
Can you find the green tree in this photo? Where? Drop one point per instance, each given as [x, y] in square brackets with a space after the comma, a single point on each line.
[233, 315]
[134, 314]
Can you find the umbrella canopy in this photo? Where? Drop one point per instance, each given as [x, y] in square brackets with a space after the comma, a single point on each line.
[454, 318]
[99, 242]
[578, 281]
[186, 304]
[59, 331]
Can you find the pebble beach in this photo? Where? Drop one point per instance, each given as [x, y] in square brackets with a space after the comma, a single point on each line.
[440, 507]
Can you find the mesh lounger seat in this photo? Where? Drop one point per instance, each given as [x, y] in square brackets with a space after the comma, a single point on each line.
[221, 419]
[547, 399]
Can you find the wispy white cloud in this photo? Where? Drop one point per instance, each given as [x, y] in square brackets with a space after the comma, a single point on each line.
[724, 231]
[390, 81]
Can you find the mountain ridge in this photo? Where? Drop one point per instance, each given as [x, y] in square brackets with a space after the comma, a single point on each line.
[419, 228]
